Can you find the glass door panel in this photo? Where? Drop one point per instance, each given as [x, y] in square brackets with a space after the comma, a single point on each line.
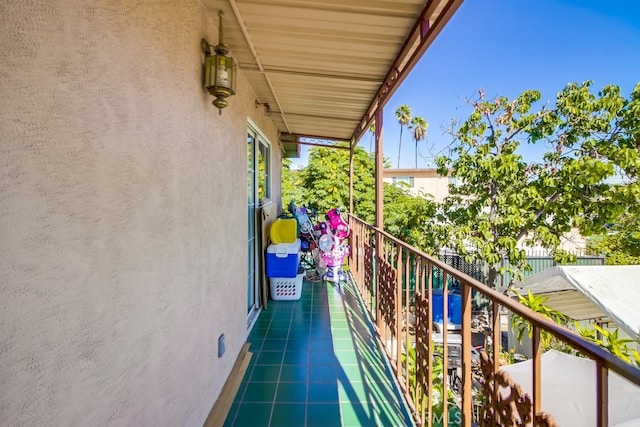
[258, 188]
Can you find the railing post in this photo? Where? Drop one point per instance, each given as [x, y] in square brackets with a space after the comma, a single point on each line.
[352, 148]
[466, 355]
[495, 344]
[398, 308]
[445, 348]
[602, 395]
[431, 346]
[407, 281]
[537, 372]
[378, 257]
[379, 187]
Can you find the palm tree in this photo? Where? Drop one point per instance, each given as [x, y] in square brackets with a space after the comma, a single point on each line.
[372, 131]
[419, 126]
[403, 114]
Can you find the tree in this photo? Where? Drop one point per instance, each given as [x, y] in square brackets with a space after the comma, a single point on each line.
[621, 243]
[403, 115]
[324, 184]
[292, 190]
[504, 203]
[419, 126]
[325, 181]
[372, 135]
[410, 218]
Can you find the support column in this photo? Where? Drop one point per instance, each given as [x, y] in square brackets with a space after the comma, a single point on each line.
[379, 221]
[351, 152]
[379, 171]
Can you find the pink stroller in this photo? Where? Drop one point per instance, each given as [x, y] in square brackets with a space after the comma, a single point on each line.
[332, 247]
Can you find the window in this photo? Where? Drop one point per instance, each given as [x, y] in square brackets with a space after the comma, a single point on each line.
[403, 179]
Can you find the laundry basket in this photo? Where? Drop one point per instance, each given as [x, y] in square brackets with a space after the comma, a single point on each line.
[286, 288]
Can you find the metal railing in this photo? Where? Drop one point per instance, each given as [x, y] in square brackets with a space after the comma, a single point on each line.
[416, 301]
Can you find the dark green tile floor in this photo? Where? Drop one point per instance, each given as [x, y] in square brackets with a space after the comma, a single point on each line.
[316, 363]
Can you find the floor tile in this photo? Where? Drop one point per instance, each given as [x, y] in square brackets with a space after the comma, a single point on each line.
[347, 357]
[323, 392]
[391, 415]
[269, 358]
[323, 373]
[341, 333]
[231, 415]
[296, 357]
[344, 344]
[281, 323]
[321, 345]
[316, 362]
[281, 333]
[252, 415]
[274, 345]
[266, 374]
[288, 415]
[358, 415]
[322, 358]
[291, 392]
[299, 335]
[259, 392]
[294, 373]
[323, 415]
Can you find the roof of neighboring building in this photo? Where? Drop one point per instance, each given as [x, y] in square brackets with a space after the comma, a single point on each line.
[416, 173]
[591, 292]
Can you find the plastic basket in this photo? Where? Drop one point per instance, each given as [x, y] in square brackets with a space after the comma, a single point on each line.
[284, 230]
[286, 288]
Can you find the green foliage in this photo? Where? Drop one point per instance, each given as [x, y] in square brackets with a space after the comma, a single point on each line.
[504, 202]
[324, 184]
[610, 341]
[292, 189]
[403, 115]
[325, 181]
[409, 358]
[537, 304]
[372, 136]
[419, 126]
[621, 243]
[436, 390]
[410, 218]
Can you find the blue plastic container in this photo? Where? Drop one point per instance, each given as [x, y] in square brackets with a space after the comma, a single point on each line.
[454, 307]
[283, 259]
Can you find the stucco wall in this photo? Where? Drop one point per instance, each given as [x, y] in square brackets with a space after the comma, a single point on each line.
[122, 215]
[425, 181]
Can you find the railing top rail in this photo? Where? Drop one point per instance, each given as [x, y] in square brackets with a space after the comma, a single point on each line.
[589, 349]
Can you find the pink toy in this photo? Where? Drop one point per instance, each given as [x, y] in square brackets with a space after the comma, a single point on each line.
[338, 225]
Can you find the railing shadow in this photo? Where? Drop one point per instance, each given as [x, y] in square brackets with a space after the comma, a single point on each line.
[377, 381]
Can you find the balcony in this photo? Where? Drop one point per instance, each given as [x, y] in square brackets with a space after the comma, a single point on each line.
[363, 353]
[316, 363]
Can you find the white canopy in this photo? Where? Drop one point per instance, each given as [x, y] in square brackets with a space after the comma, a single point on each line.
[569, 391]
[605, 293]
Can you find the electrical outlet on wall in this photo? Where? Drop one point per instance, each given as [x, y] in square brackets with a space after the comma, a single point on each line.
[221, 345]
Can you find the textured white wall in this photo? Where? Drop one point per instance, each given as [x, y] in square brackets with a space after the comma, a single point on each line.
[122, 214]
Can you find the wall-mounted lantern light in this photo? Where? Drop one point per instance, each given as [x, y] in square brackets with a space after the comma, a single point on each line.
[219, 70]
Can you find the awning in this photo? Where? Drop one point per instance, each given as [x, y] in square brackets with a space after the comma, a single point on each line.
[602, 293]
[321, 68]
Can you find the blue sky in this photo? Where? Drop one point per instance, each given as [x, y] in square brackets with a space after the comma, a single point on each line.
[507, 46]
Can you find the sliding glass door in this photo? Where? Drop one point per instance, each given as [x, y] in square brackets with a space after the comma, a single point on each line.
[258, 188]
